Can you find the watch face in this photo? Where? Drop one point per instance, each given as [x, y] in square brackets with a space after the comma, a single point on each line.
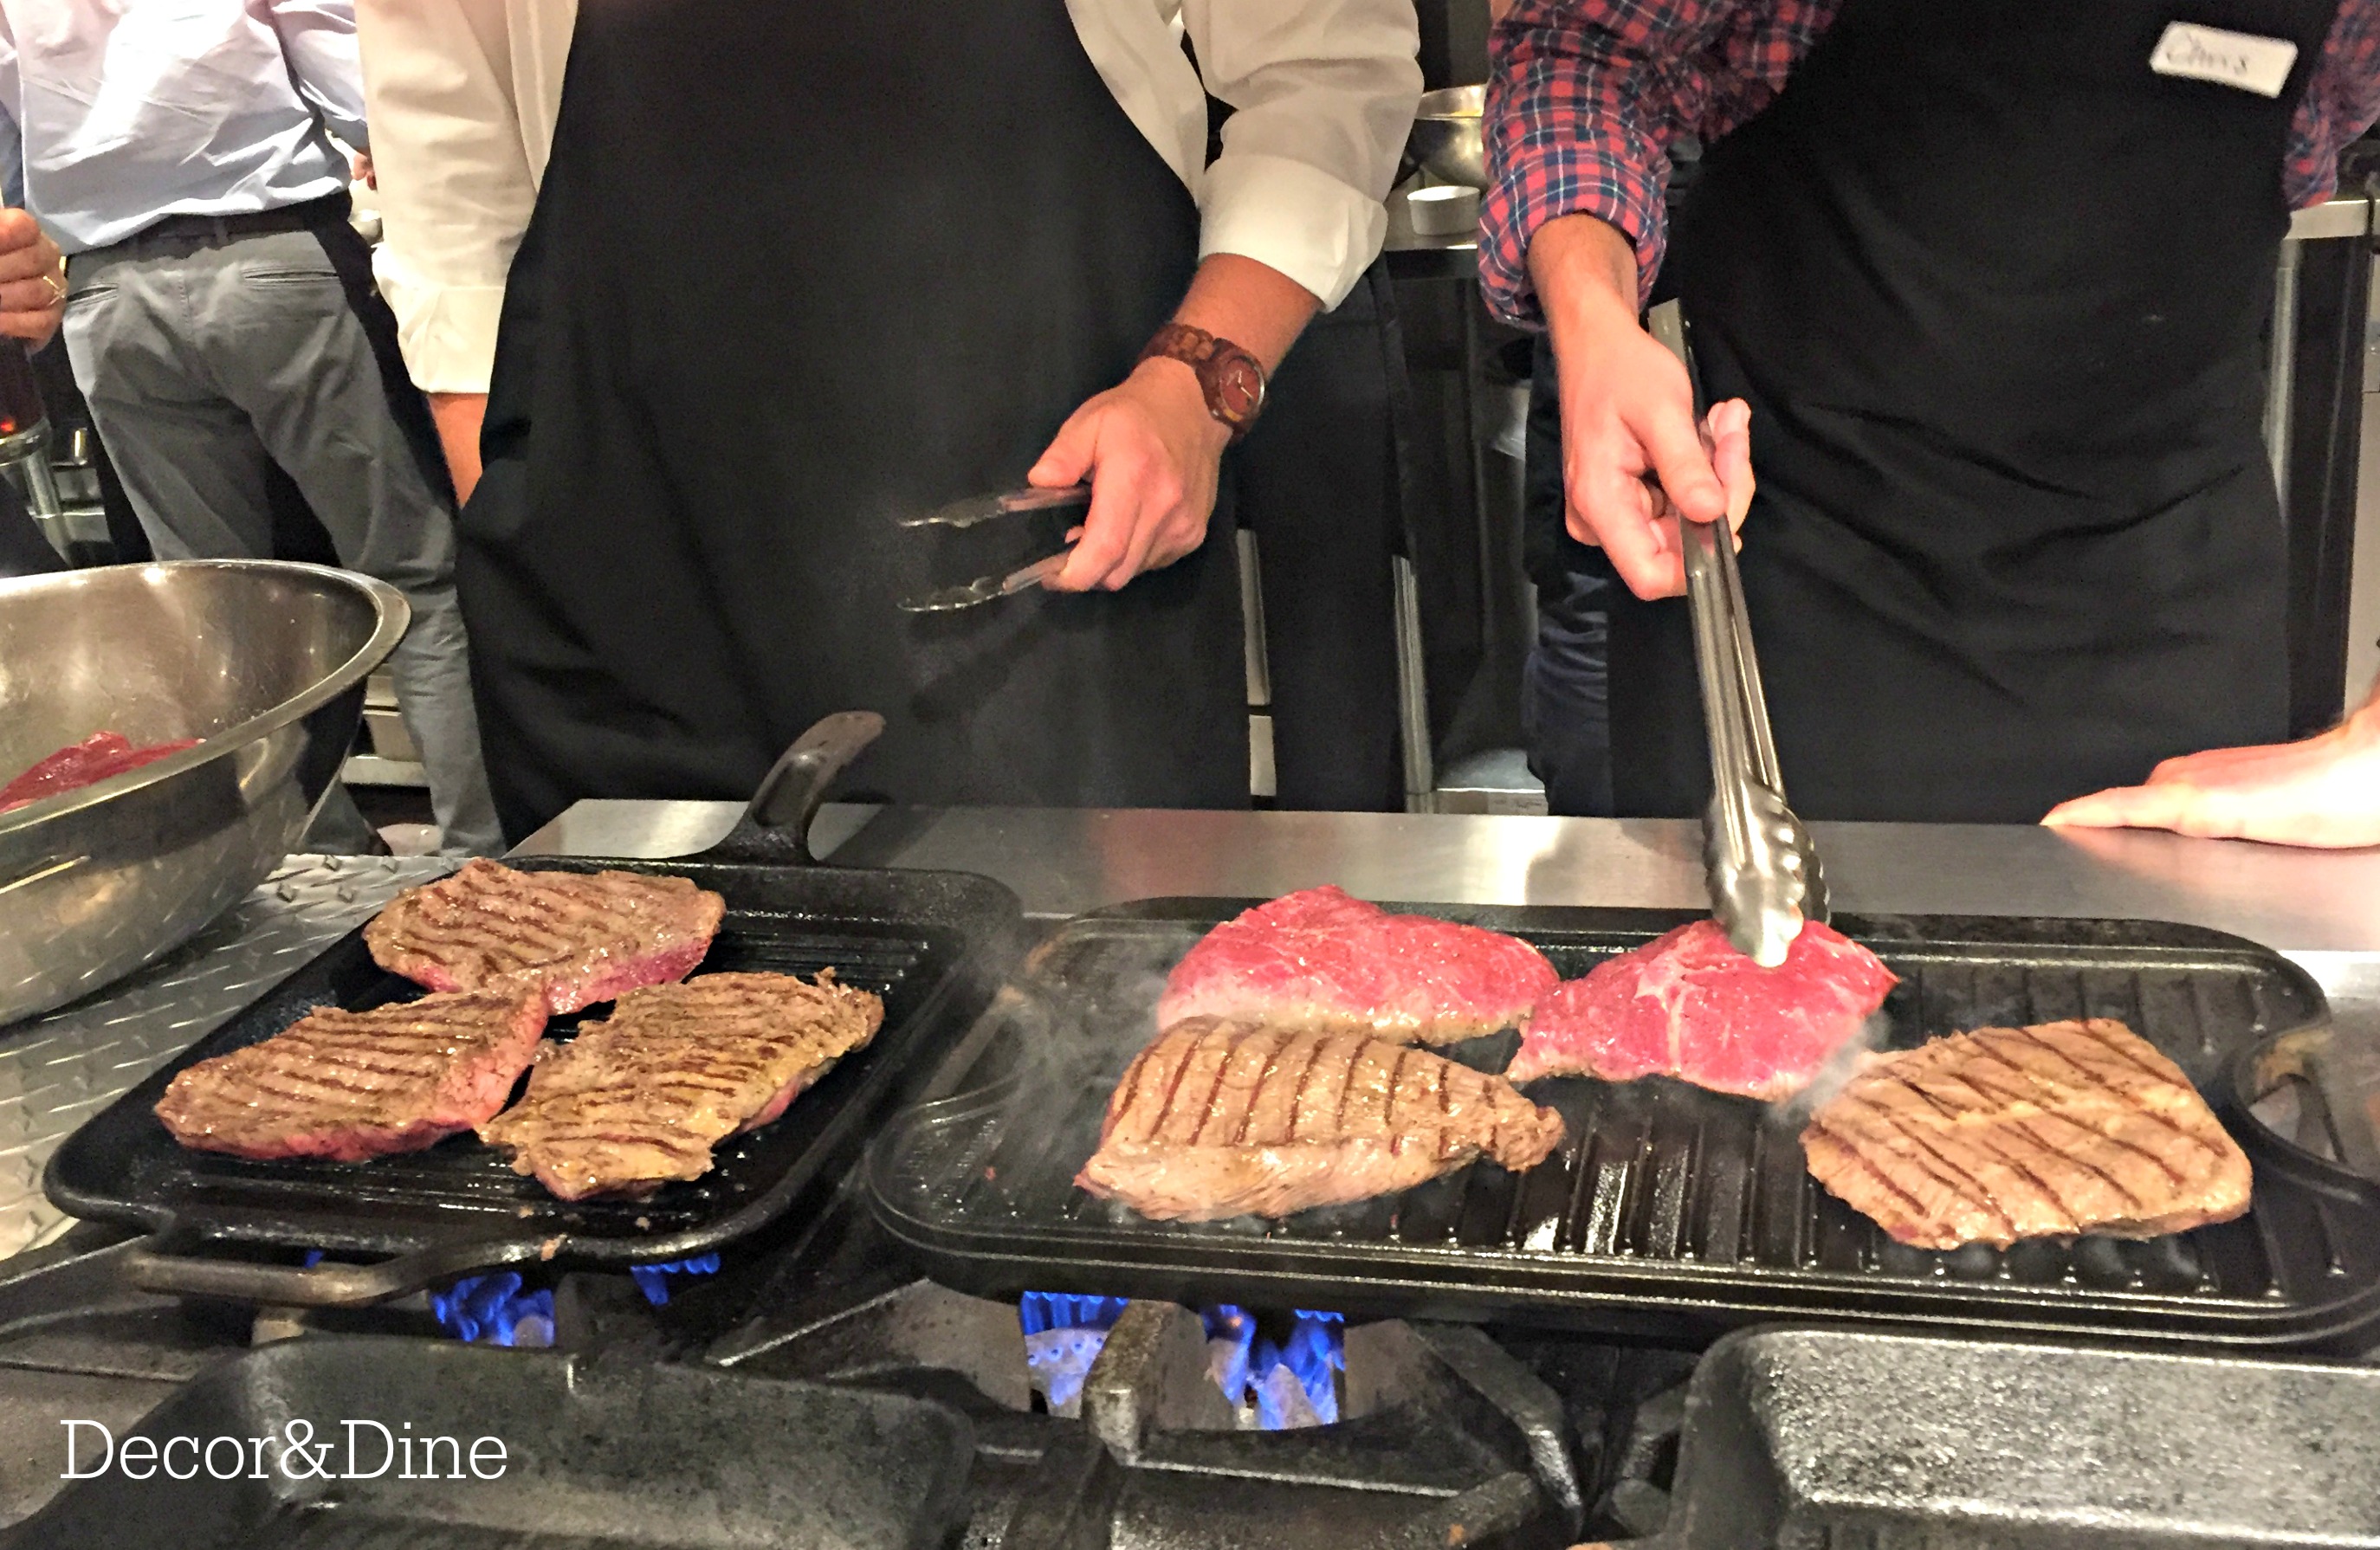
[1239, 388]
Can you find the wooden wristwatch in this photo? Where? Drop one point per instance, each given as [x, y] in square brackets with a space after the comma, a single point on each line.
[1231, 379]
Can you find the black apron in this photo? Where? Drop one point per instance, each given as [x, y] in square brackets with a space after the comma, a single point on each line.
[795, 271]
[1318, 483]
[1995, 291]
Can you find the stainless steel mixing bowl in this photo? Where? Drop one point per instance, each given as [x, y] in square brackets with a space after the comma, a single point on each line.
[1445, 138]
[264, 661]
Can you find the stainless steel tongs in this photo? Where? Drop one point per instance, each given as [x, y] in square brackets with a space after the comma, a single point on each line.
[975, 509]
[1758, 860]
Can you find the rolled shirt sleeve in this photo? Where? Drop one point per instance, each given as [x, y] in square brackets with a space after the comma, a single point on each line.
[1323, 94]
[1585, 98]
[462, 95]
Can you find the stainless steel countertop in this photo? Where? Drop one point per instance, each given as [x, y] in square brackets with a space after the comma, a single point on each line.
[2321, 908]
[57, 1070]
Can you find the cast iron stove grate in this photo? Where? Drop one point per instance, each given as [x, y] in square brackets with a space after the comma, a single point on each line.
[1668, 1210]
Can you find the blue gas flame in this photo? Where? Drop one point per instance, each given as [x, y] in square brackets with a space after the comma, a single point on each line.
[1316, 1348]
[1039, 1310]
[653, 1279]
[1230, 1347]
[1064, 1334]
[493, 1310]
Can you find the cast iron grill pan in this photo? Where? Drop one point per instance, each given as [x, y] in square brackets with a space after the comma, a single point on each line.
[933, 944]
[1806, 1437]
[664, 1457]
[1668, 1210]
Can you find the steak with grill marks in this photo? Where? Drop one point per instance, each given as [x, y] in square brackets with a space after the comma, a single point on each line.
[1220, 1118]
[585, 938]
[2047, 1131]
[641, 1097]
[348, 1086]
[1323, 959]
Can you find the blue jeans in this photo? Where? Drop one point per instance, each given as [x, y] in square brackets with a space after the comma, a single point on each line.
[1565, 700]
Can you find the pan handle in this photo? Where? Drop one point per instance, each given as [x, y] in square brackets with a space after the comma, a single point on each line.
[775, 830]
[155, 1267]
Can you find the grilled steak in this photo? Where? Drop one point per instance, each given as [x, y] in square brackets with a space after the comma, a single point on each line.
[1323, 959]
[84, 764]
[2027, 1132]
[584, 938]
[1218, 1117]
[639, 1098]
[1689, 1005]
[348, 1086]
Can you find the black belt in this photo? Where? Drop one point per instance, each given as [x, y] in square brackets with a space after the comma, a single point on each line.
[216, 230]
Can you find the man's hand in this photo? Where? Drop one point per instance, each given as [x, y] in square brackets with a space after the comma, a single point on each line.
[32, 280]
[1633, 460]
[458, 416]
[1149, 445]
[2323, 791]
[1151, 451]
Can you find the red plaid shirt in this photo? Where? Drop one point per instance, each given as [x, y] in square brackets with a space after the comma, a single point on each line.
[1586, 97]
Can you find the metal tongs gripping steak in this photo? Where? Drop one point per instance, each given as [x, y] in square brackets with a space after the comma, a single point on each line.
[1757, 858]
[974, 510]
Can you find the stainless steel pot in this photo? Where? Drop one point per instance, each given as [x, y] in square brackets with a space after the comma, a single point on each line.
[1445, 138]
[263, 660]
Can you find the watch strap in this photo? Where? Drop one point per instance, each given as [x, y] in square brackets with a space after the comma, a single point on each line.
[1232, 380]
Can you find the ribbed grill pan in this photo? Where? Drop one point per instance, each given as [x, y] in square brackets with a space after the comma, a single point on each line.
[1668, 1210]
[933, 944]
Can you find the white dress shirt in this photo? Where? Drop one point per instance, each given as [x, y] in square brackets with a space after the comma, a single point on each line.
[462, 96]
[118, 113]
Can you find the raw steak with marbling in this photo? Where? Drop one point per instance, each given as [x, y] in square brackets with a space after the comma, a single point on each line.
[1689, 1005]
[1321, 957]
[86, 763]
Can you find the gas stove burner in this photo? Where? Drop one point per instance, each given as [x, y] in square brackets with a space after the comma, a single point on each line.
[1064, 1335]
[1277, 1387]
[1270, 1385]
[500, 1309]
[1413, 1433]
[495, 1310]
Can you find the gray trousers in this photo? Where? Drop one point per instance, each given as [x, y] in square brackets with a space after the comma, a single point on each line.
[208, 359]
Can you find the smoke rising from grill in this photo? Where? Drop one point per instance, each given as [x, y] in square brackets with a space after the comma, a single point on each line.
[1059, 1032]
[1835, 1074]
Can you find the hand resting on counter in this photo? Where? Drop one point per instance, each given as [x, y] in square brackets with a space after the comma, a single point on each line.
[2323, 790]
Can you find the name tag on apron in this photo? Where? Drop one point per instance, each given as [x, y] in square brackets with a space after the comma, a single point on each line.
[2240, 59]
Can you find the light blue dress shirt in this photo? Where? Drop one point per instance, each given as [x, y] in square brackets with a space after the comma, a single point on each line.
[121, 112]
